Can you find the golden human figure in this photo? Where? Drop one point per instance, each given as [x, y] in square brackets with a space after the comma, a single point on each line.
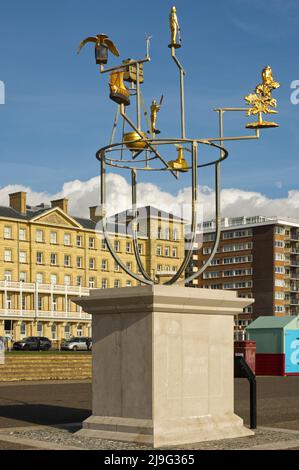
[155, 108]
[174, 28]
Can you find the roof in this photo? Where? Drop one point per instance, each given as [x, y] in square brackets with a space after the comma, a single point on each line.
[271, 322]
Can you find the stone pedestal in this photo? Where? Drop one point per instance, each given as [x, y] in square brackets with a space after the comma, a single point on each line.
[163, 364]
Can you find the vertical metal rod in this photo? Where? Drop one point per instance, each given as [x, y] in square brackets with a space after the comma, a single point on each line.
[114, 125]
[138, 97]
[182, 92]
[135, 227]
[189, 253]
[253, 407]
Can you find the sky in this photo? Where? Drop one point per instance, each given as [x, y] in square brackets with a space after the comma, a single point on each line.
[57, 111]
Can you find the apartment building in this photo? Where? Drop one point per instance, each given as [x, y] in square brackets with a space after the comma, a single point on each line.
[257, 256]
[48, 257]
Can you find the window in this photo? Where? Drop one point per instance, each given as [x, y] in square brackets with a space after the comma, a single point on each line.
[92, 282]
[207, 251]
[67, 280]
[279, 283]
[39, 329]
[22, 234]
[67, 261]
[22, 257]
[279, 257]
[53, 259]
[24, 302]
[159, 267]
[279, 269]
[209, 237]
[39, 278]
[40, 302]
[79, 240]
[279, 308]
[53, 238]
[117, 283]
[116, 266]
[117, 245]
[7, 275]
[104, 284]
[91, 242]
[7, 233]
[80, 330]
[128, 247]
[53, 279]
[104, 265]
[8, 301]
[140, 248]
[23, 329]
[175, 234]
[54, 304]
[167, 234]
[92, 263]
[128, 283]
[159, 250]
[67, 331]
[79, 280]
[39, 236]
[103, 244]
[54, 331]
[67, 239]
[279, 295]
[129, 265]
[79, 262]
[7, 255]
[174, 252]
[159, 233]
[279, 230]
[39, 257]
[166, 251]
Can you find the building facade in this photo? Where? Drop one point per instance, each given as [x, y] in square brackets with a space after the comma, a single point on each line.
[258, 257]
[48, 257]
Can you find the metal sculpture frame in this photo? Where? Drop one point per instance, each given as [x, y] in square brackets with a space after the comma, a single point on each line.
[150, 145]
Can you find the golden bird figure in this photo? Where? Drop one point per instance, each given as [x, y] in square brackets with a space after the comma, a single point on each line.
[102, 44]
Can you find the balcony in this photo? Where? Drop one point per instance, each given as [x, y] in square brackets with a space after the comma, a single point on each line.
[43, 288]
[43, 314]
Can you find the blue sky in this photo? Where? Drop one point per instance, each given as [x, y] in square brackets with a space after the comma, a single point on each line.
[57, 111]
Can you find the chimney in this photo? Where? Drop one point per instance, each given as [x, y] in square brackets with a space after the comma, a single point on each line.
[61, 203]
[95, 213]
[17, 201]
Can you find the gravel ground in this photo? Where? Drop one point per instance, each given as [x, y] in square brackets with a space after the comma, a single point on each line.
[67, 438]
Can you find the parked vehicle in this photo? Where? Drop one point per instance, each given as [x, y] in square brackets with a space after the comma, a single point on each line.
[82, 343]
[32, 343]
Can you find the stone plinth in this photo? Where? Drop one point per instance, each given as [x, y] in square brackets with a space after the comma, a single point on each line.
[163, 364]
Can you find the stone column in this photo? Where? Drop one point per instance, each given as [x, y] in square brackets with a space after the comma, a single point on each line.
[163, 364]
[2, 332]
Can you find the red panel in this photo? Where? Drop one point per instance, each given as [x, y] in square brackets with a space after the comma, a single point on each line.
[270, 364]
[247, 349]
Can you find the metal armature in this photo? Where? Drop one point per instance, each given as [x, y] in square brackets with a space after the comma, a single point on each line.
[146, 150]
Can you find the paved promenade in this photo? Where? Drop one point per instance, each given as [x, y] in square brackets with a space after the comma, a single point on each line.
[27, 405]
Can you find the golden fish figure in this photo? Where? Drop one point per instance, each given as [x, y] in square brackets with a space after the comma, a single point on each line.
[118, 91]
[261, 101]
[102, 45]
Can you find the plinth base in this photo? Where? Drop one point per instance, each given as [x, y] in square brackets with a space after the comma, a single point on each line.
[261, 125]
[163, 365]
[171, 432]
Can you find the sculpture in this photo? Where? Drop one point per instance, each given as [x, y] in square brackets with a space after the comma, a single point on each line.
[142, 151]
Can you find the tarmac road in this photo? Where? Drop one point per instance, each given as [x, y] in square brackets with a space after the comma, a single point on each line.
[49, 403]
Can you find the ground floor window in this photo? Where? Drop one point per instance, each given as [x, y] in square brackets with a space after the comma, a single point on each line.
[54, 331]
[39, 329]
[79, 330]
[23, 329]
[67, 331]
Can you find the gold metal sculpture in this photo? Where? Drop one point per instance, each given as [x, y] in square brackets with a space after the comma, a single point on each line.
[137, 151]
[130, 74]
[174, 29]
[102, 45]
[261, 101]
[118, 91]
[155, 108]
[180, 163]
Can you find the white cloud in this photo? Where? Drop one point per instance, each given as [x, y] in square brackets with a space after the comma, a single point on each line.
[235, 202]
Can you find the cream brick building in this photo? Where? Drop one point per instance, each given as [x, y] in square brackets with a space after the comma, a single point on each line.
[48, 257]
